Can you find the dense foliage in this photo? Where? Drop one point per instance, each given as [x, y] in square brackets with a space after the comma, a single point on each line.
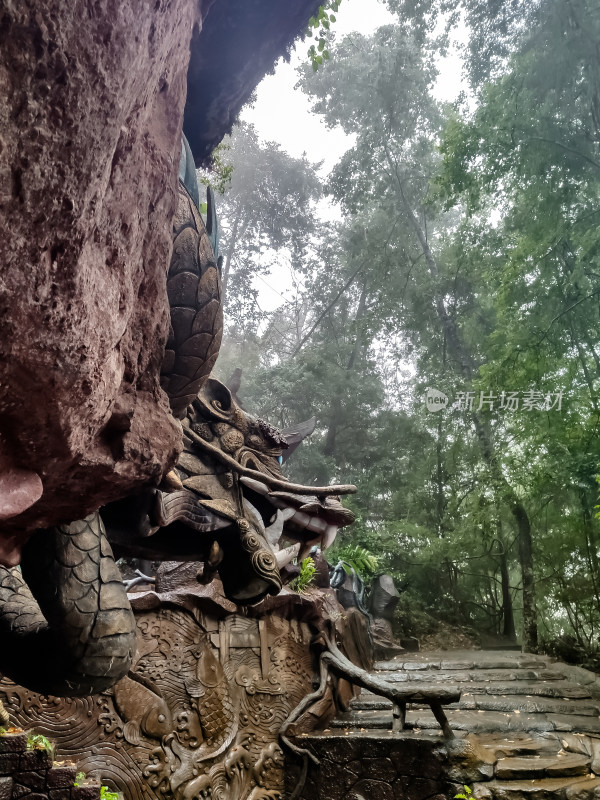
[467, 262]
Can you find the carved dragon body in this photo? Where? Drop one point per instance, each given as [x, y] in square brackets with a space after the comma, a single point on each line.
[226, 503]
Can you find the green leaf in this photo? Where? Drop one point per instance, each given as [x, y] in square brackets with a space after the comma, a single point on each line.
[306, 577]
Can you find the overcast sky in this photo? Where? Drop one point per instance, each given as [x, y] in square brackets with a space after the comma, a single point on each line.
[282, 114]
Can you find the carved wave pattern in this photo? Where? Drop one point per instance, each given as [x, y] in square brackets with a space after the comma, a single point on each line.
[197, 716]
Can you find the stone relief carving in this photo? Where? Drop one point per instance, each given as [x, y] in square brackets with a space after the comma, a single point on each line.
[198, 714]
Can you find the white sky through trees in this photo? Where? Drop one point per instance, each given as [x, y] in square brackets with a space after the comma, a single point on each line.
[282, 114]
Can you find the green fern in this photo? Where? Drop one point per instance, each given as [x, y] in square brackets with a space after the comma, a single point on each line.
[39, 742]
[362, 561]
[306, 577]
[106, 794]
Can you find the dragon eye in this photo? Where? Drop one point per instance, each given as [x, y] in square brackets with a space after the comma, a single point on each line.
[280, 459]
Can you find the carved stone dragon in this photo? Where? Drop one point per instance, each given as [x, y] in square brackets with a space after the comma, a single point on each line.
[226, 503]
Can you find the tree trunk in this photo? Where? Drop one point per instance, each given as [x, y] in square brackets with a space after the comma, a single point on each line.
[467, 368]
[335, 414]
[508, 626]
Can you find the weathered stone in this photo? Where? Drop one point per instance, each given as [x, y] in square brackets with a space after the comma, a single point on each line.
[534, 706]
[469, 761]
[539, 767]
[368, 789]
[427, 676]
[36, 759]
[9, 763]
[379, 769]
[59, 794]
[90, 140]
[13, 743]
[594, 747]
[62, 777]
[539, 789]
[581, 724]
[392, 665]
[539, 689]
[585, 790]
[36, 781]
[6, 786]
[20, 791]
[86, 791]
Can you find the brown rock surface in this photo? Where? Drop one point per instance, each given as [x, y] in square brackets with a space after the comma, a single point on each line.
[90, 122]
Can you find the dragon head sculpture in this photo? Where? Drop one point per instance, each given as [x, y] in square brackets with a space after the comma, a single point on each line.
[227, 502]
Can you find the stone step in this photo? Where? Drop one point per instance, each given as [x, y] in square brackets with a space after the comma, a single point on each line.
[583, 788]
[561, 765]
[425, 661]
[522, 743]
[479, 676]
[572, 723]
[507, 704]
[559, 689]
[470, 721]
[529, 705]
[521, 689]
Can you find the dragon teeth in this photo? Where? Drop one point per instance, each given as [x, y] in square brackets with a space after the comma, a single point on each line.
[287, 554]
[329, 537]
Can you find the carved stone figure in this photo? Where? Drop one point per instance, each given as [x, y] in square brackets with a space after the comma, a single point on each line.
[226, 504]
[229, 504]
[383, 600]
[93, 102]
[199, 713]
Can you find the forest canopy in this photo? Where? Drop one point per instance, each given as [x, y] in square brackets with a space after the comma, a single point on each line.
[446, 331]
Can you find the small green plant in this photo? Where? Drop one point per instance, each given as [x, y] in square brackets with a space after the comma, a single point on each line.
[2, 731]
[218, 175]
[79, 778]
[106, 794]
[306, 577]
[466, 795]
[38, 742]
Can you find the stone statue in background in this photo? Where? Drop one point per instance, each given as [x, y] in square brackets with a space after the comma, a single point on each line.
[382, 603]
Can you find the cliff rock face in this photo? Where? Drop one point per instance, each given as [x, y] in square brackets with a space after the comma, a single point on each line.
[90, 122]
[92, 102]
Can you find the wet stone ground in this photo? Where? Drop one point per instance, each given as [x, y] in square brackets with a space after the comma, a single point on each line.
[525, 727]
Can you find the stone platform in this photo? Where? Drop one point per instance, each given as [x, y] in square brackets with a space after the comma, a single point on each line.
[525, 727]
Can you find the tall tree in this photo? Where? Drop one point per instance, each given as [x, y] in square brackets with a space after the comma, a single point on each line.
[379, 89]
[266, 216]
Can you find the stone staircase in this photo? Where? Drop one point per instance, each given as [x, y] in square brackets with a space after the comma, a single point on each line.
[30, 773]
[525, 726]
